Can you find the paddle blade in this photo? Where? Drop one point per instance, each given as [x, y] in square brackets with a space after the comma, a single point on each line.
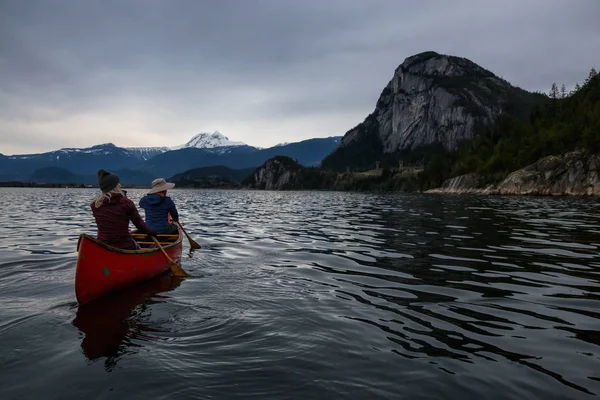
[177, 270]
[193, 244]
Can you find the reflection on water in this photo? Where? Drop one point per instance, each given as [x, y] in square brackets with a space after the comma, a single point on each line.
[313, 295]
[116, 324]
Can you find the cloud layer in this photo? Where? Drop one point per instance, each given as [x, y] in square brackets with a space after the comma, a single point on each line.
[154, 72]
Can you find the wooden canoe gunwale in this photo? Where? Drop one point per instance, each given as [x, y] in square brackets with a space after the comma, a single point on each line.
[123, 251]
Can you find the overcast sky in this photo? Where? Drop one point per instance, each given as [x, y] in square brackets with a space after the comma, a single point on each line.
[75, 73]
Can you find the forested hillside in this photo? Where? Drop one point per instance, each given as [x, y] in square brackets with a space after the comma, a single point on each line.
[567, 121]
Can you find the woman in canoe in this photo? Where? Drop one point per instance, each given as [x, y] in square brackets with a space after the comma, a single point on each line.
[113, 211]
[158, 207]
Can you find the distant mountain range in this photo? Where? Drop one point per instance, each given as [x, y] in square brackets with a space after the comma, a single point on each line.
[139, 165]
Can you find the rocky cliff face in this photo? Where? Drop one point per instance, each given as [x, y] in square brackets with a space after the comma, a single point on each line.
[422, 104]
[576, 173]
[432, 99]
[283, 173]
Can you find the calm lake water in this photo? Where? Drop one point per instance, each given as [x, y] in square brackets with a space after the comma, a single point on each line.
[310, 295]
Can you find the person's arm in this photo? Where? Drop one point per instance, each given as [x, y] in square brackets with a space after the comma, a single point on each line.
[173, 211]
[137, 220]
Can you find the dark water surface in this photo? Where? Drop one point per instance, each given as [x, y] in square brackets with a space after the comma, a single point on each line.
[312, 295]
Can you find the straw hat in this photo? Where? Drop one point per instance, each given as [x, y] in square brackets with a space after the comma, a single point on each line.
[159, 185]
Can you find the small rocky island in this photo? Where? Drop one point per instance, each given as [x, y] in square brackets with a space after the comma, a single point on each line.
[283, 173]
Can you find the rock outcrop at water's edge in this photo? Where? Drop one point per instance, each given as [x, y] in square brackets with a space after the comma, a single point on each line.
[462, 184]
[576, 174]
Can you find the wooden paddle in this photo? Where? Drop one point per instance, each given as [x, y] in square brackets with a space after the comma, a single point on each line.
[175, 269]
[193, 243]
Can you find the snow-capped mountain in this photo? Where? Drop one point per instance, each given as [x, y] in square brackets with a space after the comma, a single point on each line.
[209, 141]
[308, 152]
[146, 153]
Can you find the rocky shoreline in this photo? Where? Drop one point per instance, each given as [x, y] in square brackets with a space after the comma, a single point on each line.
[574, 174]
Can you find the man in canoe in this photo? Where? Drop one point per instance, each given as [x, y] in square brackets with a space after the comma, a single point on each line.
[113, 211]
[158, 207]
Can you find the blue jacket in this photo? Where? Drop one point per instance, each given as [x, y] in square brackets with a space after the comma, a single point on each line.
[157, 210]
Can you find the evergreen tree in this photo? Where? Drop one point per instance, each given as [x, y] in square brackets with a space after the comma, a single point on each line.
[577, 88]
[563, 91]
[591, 76]
[554, 91]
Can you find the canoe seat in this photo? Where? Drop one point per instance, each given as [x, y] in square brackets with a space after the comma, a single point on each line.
[160, 235]
[146, 242]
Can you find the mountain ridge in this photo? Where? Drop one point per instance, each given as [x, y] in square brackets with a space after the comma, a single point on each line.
[86, 161]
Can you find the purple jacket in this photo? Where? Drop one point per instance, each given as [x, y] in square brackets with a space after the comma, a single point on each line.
[113, 219]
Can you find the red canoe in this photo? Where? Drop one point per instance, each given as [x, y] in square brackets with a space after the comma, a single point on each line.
[103, 269]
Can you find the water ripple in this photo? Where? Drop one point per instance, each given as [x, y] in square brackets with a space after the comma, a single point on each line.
[312, 295]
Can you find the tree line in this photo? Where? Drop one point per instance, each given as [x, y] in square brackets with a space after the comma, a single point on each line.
[562, 93]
